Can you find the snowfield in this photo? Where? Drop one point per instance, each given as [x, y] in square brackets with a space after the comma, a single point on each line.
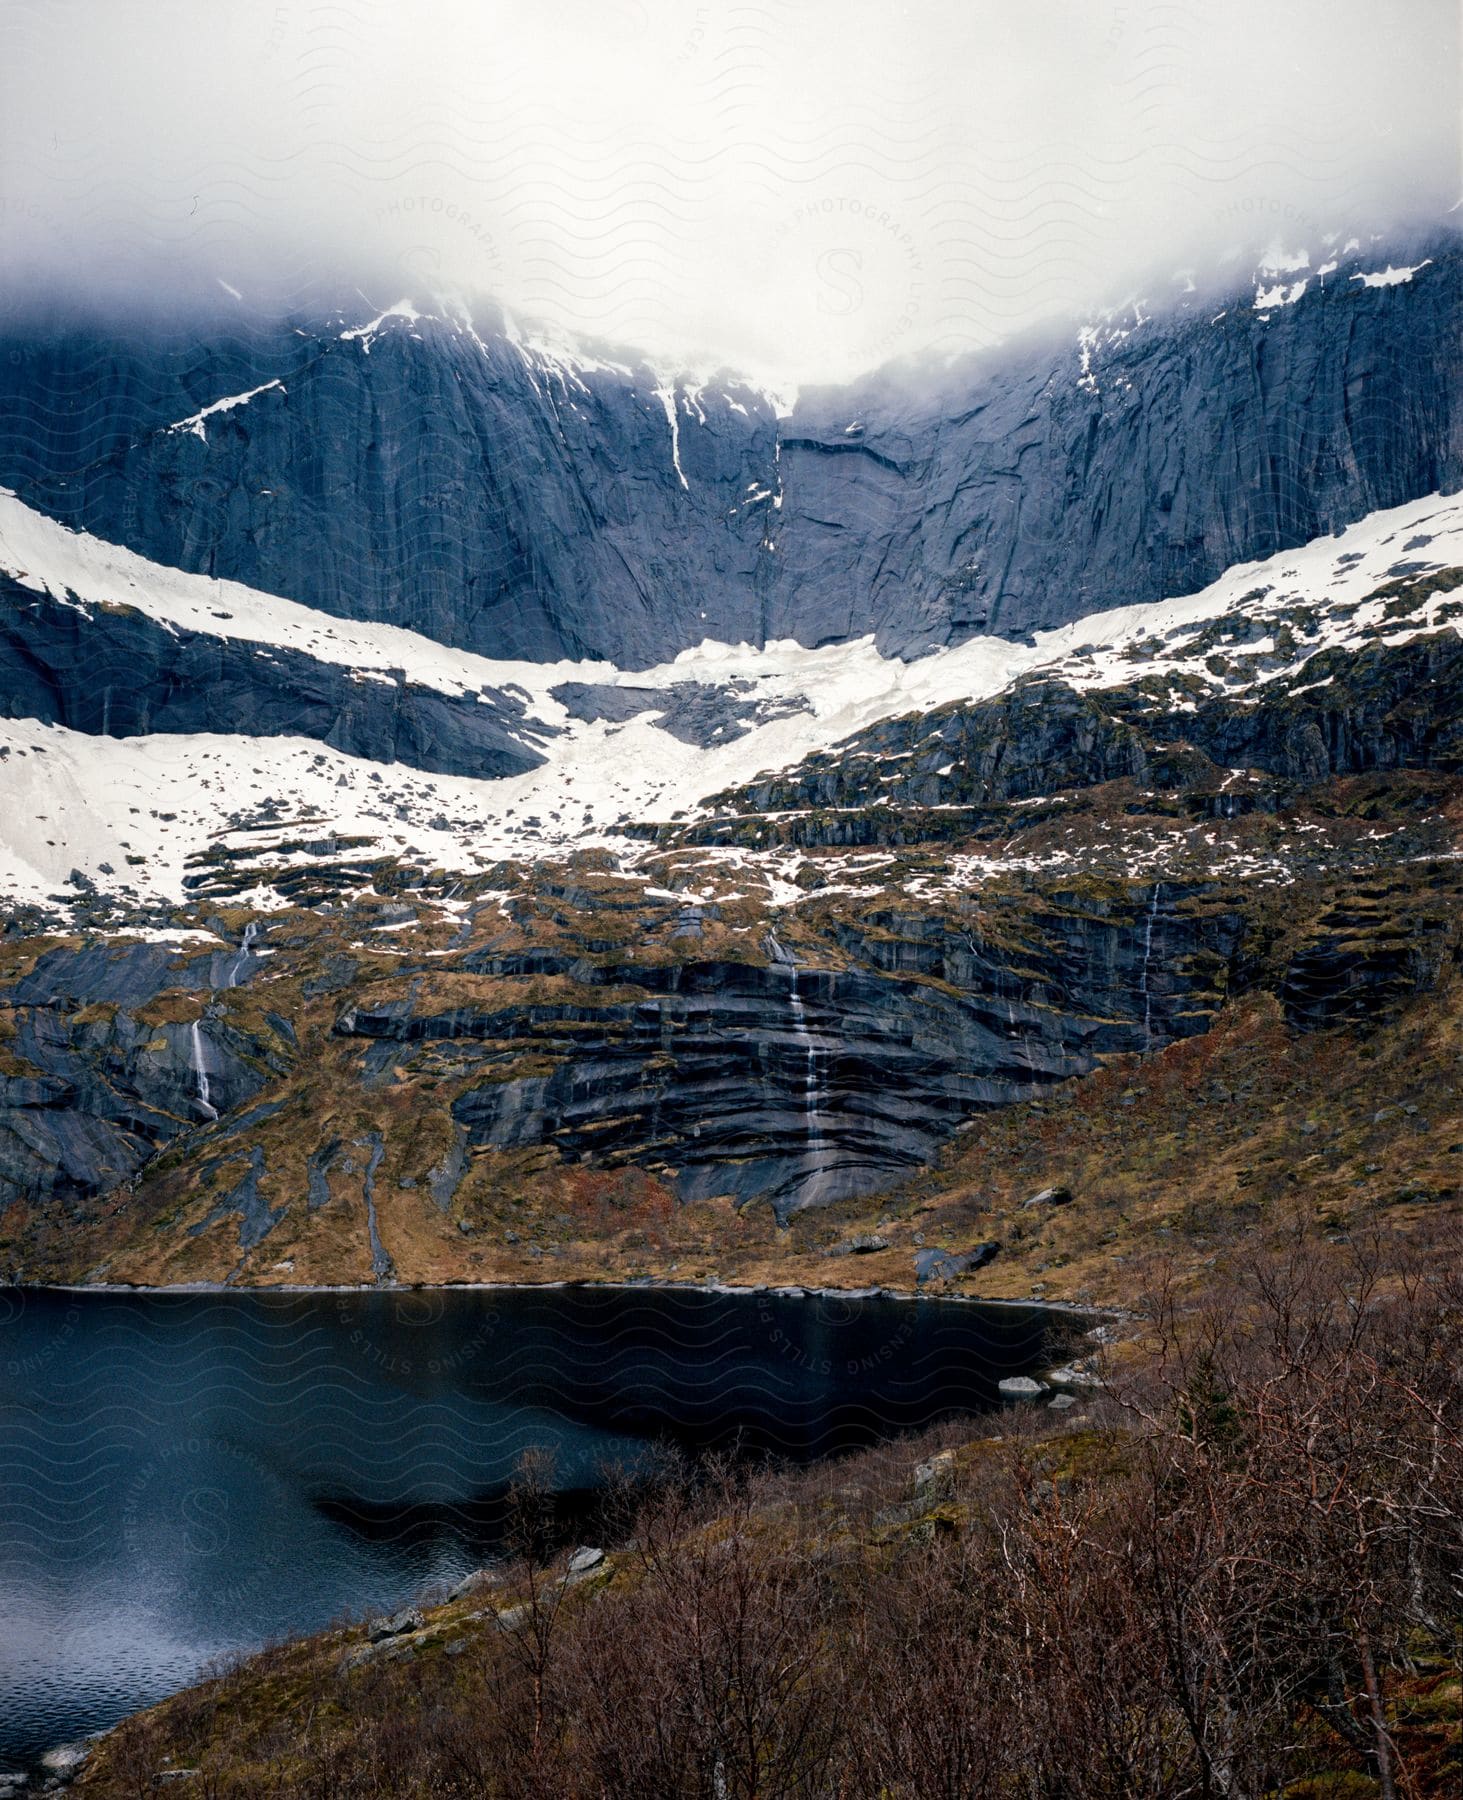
[127, 813]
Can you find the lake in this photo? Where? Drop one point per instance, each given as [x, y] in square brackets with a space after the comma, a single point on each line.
[187, 1475]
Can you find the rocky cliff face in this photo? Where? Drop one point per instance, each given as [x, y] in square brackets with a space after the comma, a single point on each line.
[111, 1089]
[1141, 462]
[719, 1045]
[522, 503]
[795, 1085]
[420, 473]
[369, 1092]
[759, 1011]
[796, 1078]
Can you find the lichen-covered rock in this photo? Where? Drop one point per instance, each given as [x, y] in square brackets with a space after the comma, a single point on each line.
[935, 1479]
[933, 1264]
[395, 1625]
[1366, 957]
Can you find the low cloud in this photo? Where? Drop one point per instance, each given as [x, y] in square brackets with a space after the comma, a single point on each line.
[802, 190]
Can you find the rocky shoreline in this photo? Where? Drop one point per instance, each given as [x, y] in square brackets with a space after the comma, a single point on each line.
[752, 1290]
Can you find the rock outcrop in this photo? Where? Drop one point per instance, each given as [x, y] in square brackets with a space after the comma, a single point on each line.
[115, 672]
[768, 1080]
[1384, 707]
[423, 474]
[111, 1091]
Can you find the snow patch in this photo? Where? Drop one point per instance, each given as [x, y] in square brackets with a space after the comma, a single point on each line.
[194, 423]
[1390, 277]
[667, 399]
[1266, 299]
[367, 334]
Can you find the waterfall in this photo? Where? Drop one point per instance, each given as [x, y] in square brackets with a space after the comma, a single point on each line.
[812, 1084]
[1147, 958]
[1027, 1060]
[812, 1093]
[251, 931]
[200, 1069]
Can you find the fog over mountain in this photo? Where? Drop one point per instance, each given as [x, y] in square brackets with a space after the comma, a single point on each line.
[802, 191]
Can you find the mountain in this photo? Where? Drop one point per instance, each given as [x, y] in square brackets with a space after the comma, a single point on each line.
[472, 801]
[531, 503]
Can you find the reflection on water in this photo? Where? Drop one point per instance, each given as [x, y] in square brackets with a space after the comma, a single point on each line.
[186, 1475]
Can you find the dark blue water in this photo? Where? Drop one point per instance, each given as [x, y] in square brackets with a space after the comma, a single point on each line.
[186, 1475]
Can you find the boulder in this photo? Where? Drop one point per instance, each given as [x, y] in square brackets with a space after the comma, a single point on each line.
[865, 1245]
[1021, 1387]
[584, 1561]
[935, 1264]
[934, 1479]
[1073, 1374]
[409, 1619]
[479, 1578]
[1049, 1196]
[65, 1761]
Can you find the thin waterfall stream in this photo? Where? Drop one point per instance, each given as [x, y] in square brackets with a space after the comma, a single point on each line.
[812, 1088]
[812, 1080]
[200, 1070]
[236, 968]
[1147, 959]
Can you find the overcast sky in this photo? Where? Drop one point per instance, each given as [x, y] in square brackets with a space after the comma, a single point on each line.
[801, 189]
